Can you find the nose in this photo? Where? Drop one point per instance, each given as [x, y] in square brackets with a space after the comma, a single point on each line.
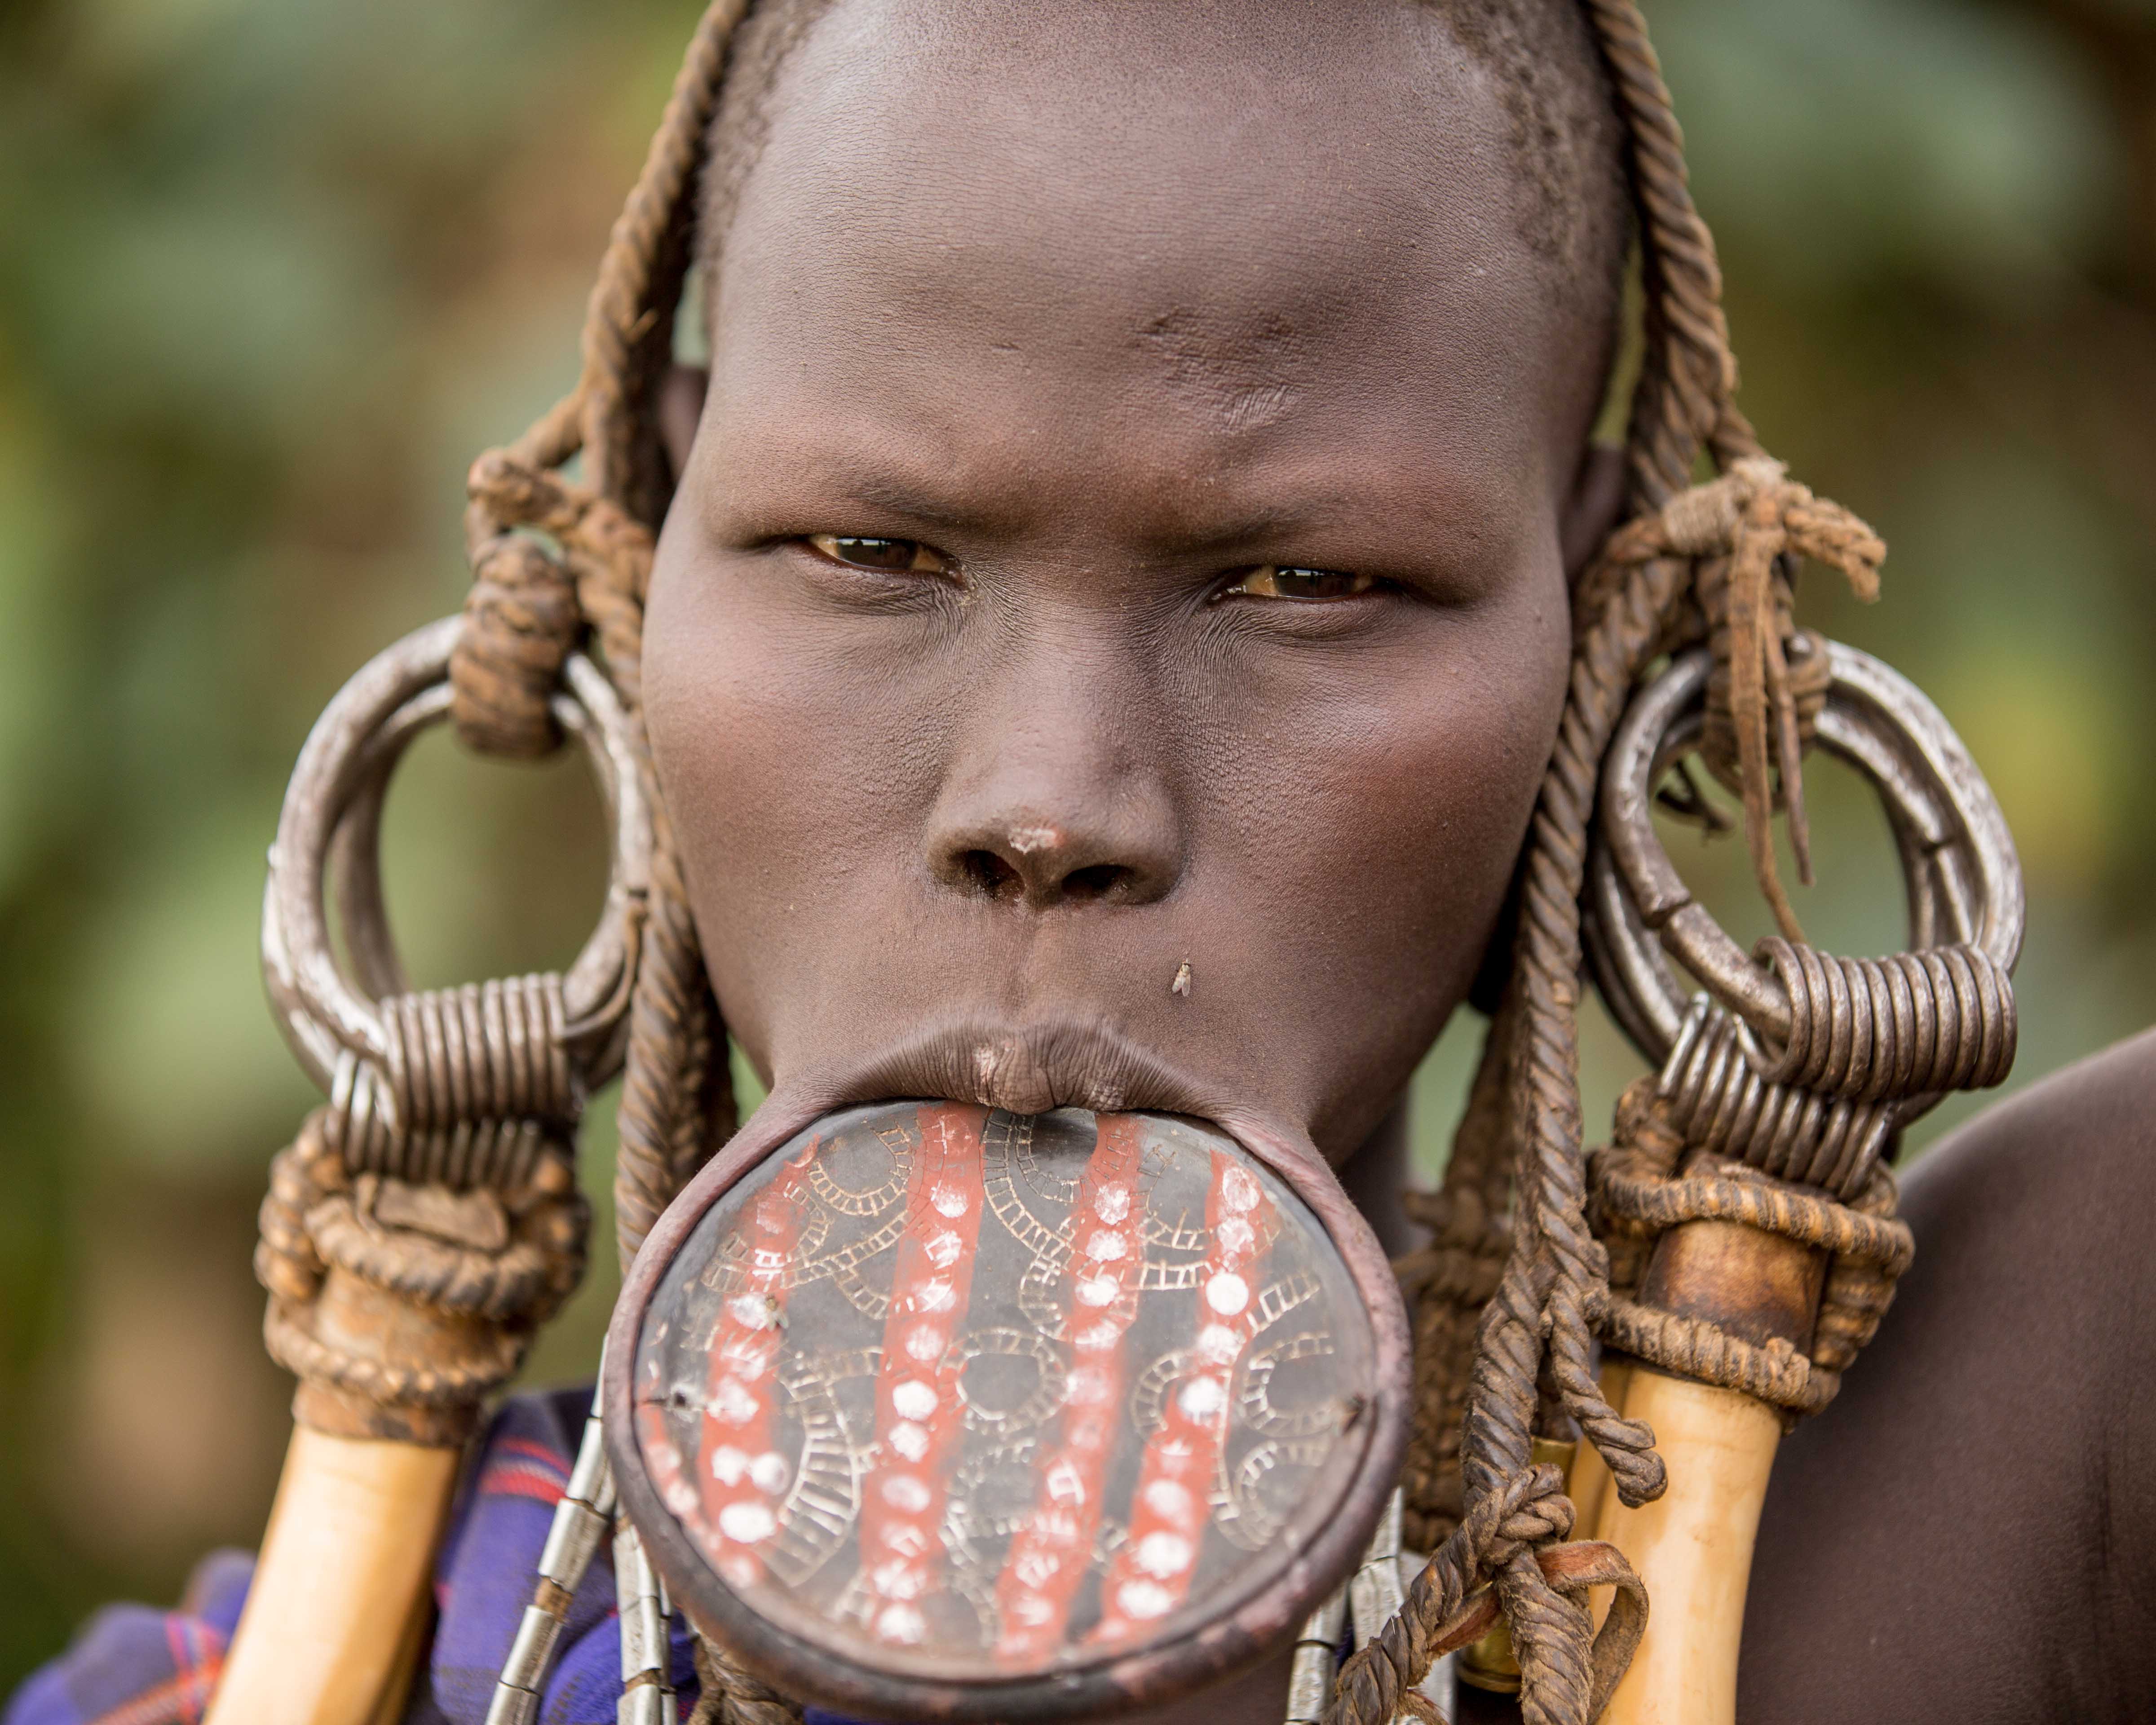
[1056, 796]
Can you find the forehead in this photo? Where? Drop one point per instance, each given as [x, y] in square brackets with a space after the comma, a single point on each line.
[1248, 216]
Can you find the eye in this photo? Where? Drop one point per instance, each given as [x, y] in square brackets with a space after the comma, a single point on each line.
[905, 556]
[1284, 581]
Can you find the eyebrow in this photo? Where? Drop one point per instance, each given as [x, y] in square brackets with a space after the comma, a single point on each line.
[800, 478]
[894, 494]
[898, 493]
[817, 474]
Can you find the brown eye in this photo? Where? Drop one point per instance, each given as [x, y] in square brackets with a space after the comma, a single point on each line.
[1282, 581]
[905, 556]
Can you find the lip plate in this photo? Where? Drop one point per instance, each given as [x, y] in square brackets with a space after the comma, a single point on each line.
[1204, 1652]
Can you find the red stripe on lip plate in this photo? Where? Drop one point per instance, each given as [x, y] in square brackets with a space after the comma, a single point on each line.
[919, 1420]
[741, 1478]
[1052, 1549]
[1151, 1573]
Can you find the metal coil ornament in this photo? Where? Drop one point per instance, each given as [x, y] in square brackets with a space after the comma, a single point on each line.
[459, 1085]
[1723, 1103]
[1916, 1024]
[1805, 1065]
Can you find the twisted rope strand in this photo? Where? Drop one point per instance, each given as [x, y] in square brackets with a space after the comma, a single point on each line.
[629, 330]
[553, 558]
[1688, 387]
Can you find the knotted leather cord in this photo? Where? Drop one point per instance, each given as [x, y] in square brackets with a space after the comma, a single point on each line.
[554, 559]
[1638, 1193]
[492, 1263]
[730, 1695]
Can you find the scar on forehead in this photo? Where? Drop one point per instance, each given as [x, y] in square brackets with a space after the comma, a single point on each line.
[1235, 370]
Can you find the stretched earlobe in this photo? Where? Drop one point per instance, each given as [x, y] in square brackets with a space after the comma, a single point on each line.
[680, 407]
[1592, 507]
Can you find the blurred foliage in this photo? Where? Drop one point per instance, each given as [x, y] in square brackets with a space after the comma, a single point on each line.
[272, 271]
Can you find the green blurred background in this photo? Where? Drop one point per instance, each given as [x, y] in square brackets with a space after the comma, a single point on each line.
[272, 271]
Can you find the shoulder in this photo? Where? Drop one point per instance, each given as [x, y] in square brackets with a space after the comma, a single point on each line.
[2062, 1153]
[1967, 1530]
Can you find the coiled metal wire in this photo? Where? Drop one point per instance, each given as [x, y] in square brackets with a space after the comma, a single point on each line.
[484, 1050]
[475, 1081]
[1723, 1101]
[1916, 1024]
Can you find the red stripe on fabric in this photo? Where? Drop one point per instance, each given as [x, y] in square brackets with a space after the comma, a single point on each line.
[1052, 1549]
[741, 1476]
[182, 1700]
[1150, 1575]
[518, 1479]
[919, 1418]
[545, 1455]
[198, 1655]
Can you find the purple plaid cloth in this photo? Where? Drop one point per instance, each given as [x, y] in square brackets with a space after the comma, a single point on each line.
[132, 1666]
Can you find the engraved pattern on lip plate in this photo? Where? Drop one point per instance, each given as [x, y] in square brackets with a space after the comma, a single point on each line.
[942, 1389]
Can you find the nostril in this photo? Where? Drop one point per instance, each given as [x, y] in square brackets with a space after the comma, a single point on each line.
[996, 876]
[1096, 880]
[990, 874]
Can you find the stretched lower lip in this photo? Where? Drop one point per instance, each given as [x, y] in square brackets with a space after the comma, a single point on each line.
[1029, 1069]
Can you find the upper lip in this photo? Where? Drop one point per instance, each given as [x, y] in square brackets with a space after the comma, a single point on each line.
[1027, 1069]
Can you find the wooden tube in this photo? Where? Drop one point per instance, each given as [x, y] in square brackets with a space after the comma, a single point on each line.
[342, 1587]
[1692, 1548]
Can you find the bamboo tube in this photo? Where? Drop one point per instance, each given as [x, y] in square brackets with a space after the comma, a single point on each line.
[1692, 1548]
[339, 1594]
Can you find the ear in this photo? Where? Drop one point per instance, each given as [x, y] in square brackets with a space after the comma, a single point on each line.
[680, 405]
[1592, 506]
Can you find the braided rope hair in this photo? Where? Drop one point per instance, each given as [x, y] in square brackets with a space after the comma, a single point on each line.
[1505, 1311]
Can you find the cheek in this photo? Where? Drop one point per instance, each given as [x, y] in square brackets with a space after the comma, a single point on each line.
[793, 772]
[1378, 817]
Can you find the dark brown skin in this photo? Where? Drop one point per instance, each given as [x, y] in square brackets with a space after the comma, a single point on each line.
[1112, 343]
[1107, 334]
[1966, 1534]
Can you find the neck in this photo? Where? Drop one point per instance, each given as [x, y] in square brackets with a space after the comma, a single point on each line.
[1376, 1175]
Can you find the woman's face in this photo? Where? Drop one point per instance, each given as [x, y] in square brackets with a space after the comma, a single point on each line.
[1112, 623]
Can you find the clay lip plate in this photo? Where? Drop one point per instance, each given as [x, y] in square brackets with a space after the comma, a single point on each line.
[934, 1412]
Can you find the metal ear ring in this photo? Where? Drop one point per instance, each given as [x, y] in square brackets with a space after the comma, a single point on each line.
[1803, 1064]
[446, 1085]
[423, 1226]
[1745, 1199]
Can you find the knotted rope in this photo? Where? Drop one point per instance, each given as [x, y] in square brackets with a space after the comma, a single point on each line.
[488, 1266]
[1513, 1551]
[1742, 533]
[557, 561]
[1707, 561]
[1638, 1194]
[731, 1695]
